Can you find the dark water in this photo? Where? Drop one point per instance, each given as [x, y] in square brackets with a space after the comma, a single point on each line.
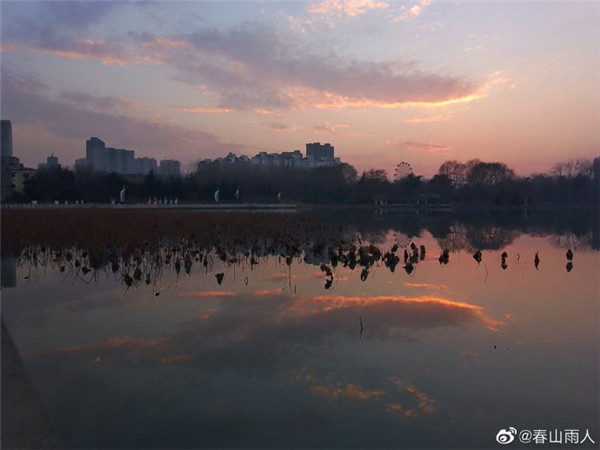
[284, 354]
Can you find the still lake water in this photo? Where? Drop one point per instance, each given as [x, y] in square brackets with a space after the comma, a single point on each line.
[281, 354]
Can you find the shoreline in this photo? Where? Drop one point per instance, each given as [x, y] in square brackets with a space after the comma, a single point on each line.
[25, 420]
[161, 207]
[450, 207]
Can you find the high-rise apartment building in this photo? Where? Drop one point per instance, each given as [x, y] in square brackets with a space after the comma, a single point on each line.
[170, 168]
[107, 159]
[119, 160]
[95, 154]
[319, 152]
[144, 165]
[99, 157]
[6, 138]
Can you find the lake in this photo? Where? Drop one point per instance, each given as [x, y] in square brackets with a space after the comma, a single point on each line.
[358, 333]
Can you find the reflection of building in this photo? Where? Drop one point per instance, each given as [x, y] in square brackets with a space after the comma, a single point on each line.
[8, 274]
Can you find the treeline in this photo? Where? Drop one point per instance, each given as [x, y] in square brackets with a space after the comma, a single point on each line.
[472, 183]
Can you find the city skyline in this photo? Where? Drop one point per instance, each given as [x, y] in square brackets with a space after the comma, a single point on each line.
[386, 81]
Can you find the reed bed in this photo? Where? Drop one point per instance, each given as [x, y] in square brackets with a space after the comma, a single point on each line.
[95, 230]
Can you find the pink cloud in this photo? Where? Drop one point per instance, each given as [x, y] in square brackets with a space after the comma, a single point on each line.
[414, 11]
[254, 67]
[349, 8]
[107, 53]
[76, 115]
[203, 110]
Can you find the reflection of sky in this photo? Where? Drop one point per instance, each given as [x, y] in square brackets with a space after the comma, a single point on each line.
[448, 355]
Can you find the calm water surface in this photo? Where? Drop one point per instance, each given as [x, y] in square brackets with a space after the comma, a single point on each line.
[281, 355]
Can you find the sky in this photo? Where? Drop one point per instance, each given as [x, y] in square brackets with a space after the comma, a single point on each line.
[383, 81]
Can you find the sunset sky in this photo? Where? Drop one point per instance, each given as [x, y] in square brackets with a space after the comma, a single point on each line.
[383, 81]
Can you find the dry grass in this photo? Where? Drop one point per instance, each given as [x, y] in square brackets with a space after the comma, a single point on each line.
[98, 229]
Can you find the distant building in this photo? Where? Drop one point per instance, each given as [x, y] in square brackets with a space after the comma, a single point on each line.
[20, 177]
[100, 158]
[10, 165]
[51, 163]
[81, 163]
[107, 159]
[317, 155]
[95, 154]
[14, 176]
[320, 152]
[6, 138]
[120, 160]
[170, 168]
[6, 177]
[144, 165]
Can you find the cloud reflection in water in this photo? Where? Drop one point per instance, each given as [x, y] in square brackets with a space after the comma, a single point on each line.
[264, 329]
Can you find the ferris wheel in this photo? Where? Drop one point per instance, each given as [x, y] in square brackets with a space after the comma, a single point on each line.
[402, 170]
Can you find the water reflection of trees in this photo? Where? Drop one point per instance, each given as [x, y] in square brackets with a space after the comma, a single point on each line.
[585, 241]
[471, 238]
[495, 229]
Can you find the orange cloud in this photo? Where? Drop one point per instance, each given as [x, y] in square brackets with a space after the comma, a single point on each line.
[105, 52]
[351, 391]
[207, 294]
[163, 42]
[430, 119]
[306, 98]
[401, 398]
[245, 321]
[267, 292]
[332, 128]
[280, 127]
[109, 53]
[4, 47]
[115, 343]
[282, 276]
[266, 112]
[424, 402]
[436, 287]
[338, 302]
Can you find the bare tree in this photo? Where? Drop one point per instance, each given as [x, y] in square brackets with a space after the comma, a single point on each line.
[573, 168]
[489, 173]
[584, 167]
